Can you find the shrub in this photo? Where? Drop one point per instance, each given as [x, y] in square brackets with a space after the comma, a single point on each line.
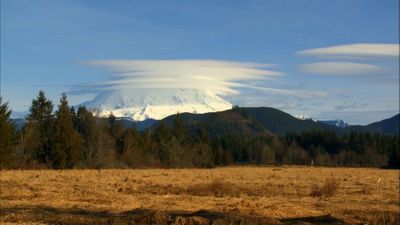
[328, 189]
[217, 188]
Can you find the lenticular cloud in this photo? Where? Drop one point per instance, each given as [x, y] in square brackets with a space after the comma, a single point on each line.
[219, 77]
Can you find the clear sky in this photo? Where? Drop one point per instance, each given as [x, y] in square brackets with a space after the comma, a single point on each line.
[332, 59]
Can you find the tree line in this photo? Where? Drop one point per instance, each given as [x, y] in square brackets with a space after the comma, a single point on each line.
[75, 138]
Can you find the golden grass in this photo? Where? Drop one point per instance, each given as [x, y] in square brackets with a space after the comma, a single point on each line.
[261, 195]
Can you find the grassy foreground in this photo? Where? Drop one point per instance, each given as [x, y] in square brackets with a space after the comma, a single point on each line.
[232, 195]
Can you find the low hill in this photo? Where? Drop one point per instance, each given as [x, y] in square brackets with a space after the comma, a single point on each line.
[266, 120]
[218, 124]
[386, 126]
[281, 123]
[247, 120]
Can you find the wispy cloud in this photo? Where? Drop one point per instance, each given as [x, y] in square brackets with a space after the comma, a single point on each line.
[342, 68]
[371, 54]
[218, 76]
[360, 50]
[350, 106]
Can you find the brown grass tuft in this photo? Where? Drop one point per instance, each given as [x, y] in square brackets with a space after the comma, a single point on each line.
[217, 188]
[328, 189]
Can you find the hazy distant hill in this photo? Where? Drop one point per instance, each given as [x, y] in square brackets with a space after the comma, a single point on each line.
[386, 126]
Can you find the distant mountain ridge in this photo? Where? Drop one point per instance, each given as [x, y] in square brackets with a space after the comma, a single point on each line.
[258, 121]
[337, 123]
[386, 126]
[262, 120]
[265, 120]
[304, 117]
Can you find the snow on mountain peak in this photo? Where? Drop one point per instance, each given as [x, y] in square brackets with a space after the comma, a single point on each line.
[302, 117]
[305, 117]
[336, 123]
[155, 103]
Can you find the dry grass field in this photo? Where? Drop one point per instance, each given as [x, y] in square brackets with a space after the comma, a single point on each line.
[232, 195]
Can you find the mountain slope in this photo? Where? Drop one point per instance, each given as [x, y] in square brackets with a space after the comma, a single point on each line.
[265, 120]
[387, 126]
[142, 104]
[281, 123]
[248, 120]
[220, 124]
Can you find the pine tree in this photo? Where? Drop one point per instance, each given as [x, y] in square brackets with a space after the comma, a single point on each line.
[133, 151]
[85, 124]
[162, 137]
[219, 156]
[178, 128]
[67, 142]
[181, 152]
[394, 158]
[104, 151]
[117, 130]
[203, 156]
[7, 136]
[39, 129]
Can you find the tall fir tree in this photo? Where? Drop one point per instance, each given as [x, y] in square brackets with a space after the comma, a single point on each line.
[7, 136]
[85, 124]
[67, 142]
[203, 155]
[117, 130]
[39, 130]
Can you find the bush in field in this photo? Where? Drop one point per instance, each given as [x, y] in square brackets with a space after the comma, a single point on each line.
[217, 188]
[328, 189]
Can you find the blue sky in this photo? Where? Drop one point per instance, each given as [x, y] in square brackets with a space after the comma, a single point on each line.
[345, 53]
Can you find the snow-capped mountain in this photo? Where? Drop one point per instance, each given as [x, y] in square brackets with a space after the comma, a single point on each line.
[304, 117]
[336, 123]
[142, 104]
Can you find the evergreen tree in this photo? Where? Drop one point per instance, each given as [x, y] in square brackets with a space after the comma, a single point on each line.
[179, 146]
[85, 124]
[394, 159]
[203, 156]
[178, 128]
[117, 130]
[7, 136]
[39, 129]
[161, 137]
[67, 143]
[133, 150]
[219, 156]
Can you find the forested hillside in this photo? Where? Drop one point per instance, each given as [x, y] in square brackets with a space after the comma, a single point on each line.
[74, 138]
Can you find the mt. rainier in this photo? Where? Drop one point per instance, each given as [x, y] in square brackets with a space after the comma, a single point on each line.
[156, 103]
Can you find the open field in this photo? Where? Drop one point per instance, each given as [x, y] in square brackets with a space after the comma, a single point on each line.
[232, 195]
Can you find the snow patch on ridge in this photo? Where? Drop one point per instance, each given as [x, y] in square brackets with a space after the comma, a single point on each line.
[304, 117]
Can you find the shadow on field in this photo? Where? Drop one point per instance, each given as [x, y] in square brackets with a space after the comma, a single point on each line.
[49, 215]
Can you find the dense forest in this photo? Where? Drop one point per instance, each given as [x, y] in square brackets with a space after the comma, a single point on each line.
[75, 138]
